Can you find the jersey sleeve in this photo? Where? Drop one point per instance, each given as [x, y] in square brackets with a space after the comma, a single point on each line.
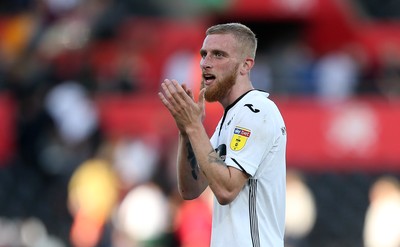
[251, 138]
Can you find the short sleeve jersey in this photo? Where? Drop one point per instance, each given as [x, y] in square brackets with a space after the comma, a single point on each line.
[251, 137]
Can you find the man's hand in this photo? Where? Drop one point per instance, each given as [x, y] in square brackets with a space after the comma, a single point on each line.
[180, 102]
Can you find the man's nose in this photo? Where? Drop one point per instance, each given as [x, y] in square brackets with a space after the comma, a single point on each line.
[205, 62]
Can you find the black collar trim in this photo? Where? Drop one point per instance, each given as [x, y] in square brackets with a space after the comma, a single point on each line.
[229, 107]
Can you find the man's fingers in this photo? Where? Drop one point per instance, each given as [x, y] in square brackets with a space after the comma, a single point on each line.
[180, 93]
[201, 96]
[177, 97]
[188, 91]
[171, 93]
[166, 102]
[184, 87]
[183, 94]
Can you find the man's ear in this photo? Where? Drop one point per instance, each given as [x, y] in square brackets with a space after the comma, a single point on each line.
[247, 65]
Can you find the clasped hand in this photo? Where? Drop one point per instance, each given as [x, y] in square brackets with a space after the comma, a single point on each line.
[180, 102]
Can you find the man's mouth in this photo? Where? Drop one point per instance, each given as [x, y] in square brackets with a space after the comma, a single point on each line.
[208, 79]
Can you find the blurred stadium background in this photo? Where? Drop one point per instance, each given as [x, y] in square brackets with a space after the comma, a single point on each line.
[87, 151]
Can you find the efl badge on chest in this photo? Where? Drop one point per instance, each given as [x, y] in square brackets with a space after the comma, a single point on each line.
[239, 138]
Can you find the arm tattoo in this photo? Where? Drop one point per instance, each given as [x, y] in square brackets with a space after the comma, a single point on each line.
[214, 158]
[192, 160]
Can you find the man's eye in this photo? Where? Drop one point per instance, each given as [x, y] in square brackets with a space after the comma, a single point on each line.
[218, 54]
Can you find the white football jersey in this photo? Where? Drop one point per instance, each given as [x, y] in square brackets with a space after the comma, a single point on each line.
[251, 136]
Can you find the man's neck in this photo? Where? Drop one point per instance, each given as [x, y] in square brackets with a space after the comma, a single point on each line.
[235, 92]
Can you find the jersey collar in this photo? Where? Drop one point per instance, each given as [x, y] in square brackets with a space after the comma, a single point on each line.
[237, 100]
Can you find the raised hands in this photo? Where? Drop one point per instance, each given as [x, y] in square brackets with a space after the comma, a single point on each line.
[180, 102]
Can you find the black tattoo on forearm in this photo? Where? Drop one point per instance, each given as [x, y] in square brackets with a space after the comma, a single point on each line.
[214, 158]
[192, 160]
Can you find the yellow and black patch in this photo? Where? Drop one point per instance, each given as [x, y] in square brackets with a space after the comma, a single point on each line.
[239, 138]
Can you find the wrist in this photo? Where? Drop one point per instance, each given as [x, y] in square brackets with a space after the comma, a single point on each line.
[183, 134]
[194, 128]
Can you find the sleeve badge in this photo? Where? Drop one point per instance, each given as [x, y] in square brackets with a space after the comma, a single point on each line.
[239, 138]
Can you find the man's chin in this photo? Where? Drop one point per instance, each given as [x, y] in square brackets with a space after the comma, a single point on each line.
[210, 100]
[211, 96]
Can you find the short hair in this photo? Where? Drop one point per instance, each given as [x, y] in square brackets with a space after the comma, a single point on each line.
[242, 33]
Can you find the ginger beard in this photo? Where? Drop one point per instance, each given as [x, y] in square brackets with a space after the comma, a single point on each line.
[220, 87]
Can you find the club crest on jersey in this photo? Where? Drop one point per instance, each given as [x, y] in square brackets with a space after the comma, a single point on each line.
[240, 136]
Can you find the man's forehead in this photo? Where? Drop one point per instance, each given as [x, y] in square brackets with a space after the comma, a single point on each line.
[219, 41]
